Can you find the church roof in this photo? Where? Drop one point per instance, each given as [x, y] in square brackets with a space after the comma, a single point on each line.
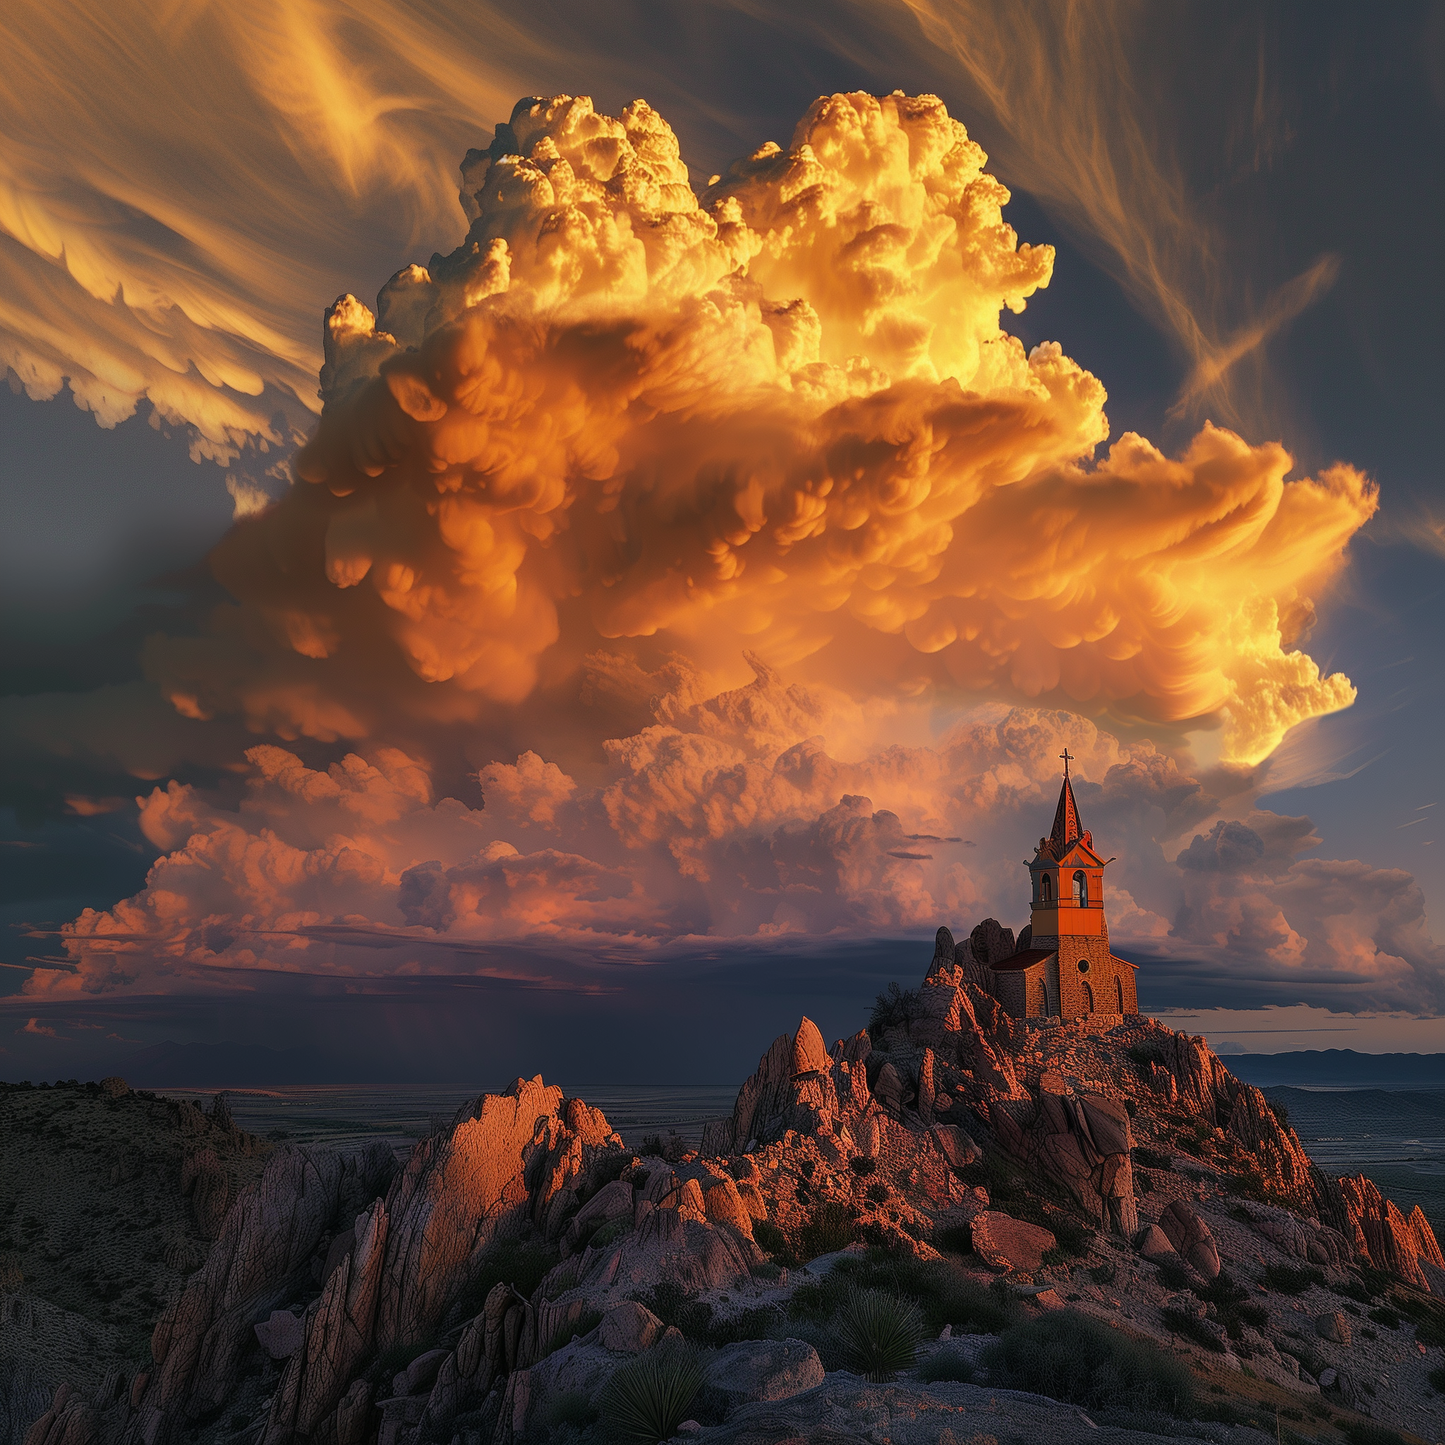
[1027, 959]
[1067, 827]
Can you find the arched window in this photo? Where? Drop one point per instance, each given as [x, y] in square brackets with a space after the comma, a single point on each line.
[1119, 989]
[1088, 998]
[1081, 889]
[1046, 888]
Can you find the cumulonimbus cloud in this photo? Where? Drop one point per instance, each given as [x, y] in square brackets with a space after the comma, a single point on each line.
[731, 820]
[783, 416]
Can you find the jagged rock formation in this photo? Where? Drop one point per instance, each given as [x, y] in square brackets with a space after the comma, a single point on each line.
[1377, 1231]
[264, 1247]
[1034, 1147]
[1082, 1140]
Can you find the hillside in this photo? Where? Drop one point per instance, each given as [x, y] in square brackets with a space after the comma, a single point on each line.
[108, 1200]
[1072, 1225]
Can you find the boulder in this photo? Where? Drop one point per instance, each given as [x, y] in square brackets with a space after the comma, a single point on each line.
[762, 1370]
[955, 1146]
[1191, 1238]
[423, 1370]
[629, 1329]
[1154, 1245]
[114, 1087]
[1005, 1243]
[810, 1055]
[282, 1334]
[888, 1089]
[613, 1201]
[1334, 1325]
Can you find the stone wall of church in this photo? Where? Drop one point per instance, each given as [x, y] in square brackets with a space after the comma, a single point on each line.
[1096, 988]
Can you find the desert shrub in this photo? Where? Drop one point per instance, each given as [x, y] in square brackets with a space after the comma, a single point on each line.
[647, 1399]
[878, 1333]
[1288, 1279]
[943, 1293]
[1383, 1315]
[945, 1366]
[12, 1276]
[878, 1192]
[862, 1165]
[1074, 1238]
[1071, 1357]
[954, 1239]
[1191, 1327]
[1427, 1315]
[1150, 1158]
[1368, 1334]
[1173, 1275]
[771, 1240]
[1142, 1055]
[610, 1232]
[1143, 1184]
[1437, 1379]
[517, 1262]
[1232, 1304]
[1352, 1289]
[829, 1227]
[571, 1407]
[894, 1008]
[1103, 1273]
[1361, 1432]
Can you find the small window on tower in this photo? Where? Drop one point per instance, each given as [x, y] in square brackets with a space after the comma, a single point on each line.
[1046, 888]
[1081, 890]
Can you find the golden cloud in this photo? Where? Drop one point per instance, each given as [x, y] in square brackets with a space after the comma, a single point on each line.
[783, 416]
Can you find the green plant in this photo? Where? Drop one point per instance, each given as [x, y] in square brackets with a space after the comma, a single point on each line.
[1385, 1316]
[1071, 1357]
[647, 1399]
[944, 1365]
[1288, 1279]
[519, 1263]
[1428, 1316]
[1192, 1328]
[610, 1232]
[830, 1227]
[771, 1240]
[1173, 1275]
[878, 1333]
[944, 1294]
[878, 1192]
[894, 1008]
[1352, 1289]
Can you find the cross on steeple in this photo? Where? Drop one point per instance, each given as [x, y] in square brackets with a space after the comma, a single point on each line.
[1066, 820]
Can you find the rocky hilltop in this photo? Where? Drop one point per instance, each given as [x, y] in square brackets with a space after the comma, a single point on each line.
[997, 1195]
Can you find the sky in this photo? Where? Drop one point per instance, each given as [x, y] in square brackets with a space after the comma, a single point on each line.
[564, 541]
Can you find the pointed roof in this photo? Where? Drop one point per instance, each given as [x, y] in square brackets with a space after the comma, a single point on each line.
[1067, 827]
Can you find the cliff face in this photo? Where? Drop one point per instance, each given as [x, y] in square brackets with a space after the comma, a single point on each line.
[345, 1302]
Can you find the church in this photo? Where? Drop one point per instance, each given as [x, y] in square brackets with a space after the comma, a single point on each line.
[1067, 968]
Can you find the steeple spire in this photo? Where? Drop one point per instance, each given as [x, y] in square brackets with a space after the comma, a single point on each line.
[1066, 816]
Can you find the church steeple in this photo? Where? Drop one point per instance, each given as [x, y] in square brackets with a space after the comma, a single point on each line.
[1066, 815]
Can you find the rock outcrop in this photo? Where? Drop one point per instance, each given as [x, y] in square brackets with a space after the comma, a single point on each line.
[1081, 1140]
[262, 1253]
[1380, 1234]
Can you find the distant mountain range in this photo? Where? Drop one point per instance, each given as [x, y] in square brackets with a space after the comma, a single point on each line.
[1343, 1068]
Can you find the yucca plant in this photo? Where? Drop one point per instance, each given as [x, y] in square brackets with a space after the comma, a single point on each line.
[646, 1400]
[878, 1333]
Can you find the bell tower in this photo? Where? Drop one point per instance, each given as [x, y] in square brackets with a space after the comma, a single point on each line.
[1067, 877]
